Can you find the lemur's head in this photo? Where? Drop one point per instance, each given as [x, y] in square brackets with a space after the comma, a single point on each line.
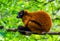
[21, 13]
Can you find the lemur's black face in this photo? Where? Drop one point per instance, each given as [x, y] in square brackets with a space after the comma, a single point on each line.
[20, 14]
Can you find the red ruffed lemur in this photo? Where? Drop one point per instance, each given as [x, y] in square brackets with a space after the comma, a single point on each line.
[37, 22]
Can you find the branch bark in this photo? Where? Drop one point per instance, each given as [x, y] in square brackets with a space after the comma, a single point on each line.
[29, 32]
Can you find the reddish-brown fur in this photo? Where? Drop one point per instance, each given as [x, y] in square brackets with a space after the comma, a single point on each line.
[40, 17]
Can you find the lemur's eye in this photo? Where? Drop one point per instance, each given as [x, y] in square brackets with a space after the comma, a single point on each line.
[21, 14]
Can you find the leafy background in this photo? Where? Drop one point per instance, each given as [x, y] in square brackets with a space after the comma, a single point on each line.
[9, 10]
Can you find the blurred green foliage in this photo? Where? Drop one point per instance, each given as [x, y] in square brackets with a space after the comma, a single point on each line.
[9, 10]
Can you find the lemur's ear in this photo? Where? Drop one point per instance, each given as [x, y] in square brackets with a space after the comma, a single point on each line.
[21, 12]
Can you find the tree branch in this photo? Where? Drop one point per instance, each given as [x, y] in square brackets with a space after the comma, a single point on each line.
[29, 32]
